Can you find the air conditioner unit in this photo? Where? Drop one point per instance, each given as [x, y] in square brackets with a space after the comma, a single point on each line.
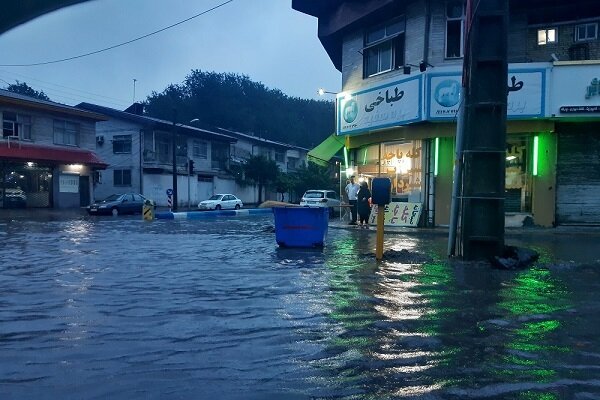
[100, 140]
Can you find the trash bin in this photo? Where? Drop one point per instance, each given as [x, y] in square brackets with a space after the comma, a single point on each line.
[301, 226]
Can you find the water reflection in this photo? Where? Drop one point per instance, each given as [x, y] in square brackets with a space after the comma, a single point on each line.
[216, 310]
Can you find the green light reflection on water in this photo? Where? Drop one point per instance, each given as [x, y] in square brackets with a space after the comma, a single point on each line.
[536, 294]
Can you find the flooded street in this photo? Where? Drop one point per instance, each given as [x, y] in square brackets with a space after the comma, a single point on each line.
[120, 308]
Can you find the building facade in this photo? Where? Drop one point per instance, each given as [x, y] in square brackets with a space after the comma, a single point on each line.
[401, 64]
[47, 157]
[139, 153]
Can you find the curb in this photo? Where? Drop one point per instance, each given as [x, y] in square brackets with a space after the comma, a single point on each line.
[193, 215]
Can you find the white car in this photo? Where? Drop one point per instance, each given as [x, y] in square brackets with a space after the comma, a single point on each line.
[221, 202]
[321, 198]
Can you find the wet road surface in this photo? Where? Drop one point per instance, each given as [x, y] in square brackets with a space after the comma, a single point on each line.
[119, 308]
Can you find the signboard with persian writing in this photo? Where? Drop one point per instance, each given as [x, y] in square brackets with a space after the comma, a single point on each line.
[526, 94]
[576, 89]
[398, 214]
[68, 183]
[388, 104]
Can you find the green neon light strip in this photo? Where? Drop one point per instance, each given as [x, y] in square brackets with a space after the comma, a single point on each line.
[365, 157]
[535, 155]
[436, 156]
[346, 156]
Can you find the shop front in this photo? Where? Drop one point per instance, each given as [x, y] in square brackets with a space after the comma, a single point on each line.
[405, 128]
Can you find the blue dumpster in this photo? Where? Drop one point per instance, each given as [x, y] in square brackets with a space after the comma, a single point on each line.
[301, 226]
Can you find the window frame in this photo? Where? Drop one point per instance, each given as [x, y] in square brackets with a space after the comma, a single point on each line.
[393, 42]
[546, 41]
[20, 125]
[121, 181]
[65, 131]
[462, 20]
[200, 149]
[123, 141]
[586, 26]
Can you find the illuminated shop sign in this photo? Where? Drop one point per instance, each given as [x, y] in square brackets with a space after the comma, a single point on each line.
[393, 103]
[526, 93]
[68, 183]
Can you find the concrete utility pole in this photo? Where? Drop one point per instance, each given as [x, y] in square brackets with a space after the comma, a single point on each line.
[174, 145]
[485, 79]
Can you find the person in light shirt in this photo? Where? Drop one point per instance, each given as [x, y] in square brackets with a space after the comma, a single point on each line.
[352, 191]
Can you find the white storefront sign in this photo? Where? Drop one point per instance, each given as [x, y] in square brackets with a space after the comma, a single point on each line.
[576, 90]
[398, 214]
[68, 183]
[526, 94]
[397, 102]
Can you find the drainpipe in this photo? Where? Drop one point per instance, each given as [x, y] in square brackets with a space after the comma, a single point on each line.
[427, 28]
[141, 163]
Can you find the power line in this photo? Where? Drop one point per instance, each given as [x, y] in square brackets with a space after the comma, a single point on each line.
[120, 44]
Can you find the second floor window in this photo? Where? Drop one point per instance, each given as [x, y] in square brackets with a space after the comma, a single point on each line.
[279, 156]
[545, 36]
[16, 125]
[455, 28]
[384, 48]
[122, 177]
[586, 32]
[122, 144]
[200, 149]
[66, 133]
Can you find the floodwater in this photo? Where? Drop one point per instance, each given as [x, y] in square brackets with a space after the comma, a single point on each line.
[119, 308]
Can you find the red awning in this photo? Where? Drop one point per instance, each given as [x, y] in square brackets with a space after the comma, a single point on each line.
[20, 151]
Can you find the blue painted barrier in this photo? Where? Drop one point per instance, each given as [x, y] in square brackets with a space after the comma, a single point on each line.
[195, 215]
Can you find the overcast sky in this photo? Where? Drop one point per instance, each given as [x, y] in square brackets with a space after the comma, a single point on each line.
[264, 39]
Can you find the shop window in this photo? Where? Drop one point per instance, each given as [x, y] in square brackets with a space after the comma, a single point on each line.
[517, 182]
[384, 47]
[546, 36]
[122, 177]
[121, 144]
[455, 28]
[585, 32]
[66, 133]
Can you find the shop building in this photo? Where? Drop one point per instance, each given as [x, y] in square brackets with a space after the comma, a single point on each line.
[47, 157]
[401, 65]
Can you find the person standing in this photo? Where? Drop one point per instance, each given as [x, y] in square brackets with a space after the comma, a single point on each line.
[363, 206]
[352, 191]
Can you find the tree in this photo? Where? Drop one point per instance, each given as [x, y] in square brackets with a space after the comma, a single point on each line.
[25, 89]
[313, 177]
[283, 184]
[260, 171]
[232, 101]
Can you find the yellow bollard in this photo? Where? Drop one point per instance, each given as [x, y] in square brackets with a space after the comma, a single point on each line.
[148, 210]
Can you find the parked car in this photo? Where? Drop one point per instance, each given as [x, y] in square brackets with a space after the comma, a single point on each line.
[321, 198]
[221, 202]
[13, 198]
[116, 204]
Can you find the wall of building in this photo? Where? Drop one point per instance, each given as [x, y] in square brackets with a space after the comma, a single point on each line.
[131, 161]
[566, 39]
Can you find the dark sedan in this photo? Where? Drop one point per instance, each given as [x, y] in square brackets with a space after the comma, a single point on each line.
[116, 204]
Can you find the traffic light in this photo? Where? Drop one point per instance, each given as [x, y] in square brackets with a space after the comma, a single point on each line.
[191, 167]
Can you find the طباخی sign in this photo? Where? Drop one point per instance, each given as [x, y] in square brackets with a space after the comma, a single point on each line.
[390, 103]
[398, 214]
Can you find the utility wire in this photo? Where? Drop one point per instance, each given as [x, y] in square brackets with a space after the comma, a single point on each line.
[120, 44]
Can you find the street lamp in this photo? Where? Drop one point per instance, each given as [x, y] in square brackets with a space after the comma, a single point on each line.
[322, 91]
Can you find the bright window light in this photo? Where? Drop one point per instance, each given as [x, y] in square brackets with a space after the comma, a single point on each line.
[535, 155]
[436, 157]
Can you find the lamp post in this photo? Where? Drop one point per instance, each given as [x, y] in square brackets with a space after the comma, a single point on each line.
[174, 145]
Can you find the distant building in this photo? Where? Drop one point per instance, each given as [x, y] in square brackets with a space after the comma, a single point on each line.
[47, 157]
[401, 64]
[139, 153]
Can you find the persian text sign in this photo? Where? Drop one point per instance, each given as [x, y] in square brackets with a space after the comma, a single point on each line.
[526, 94]
[398, 214]
[389, 104]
